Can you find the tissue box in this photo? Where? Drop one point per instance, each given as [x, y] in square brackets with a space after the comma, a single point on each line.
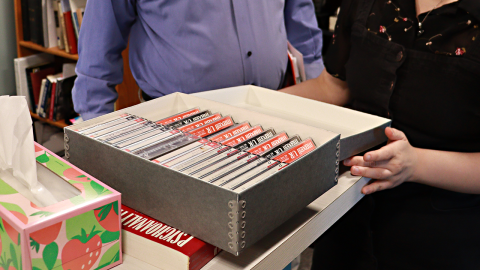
[231, 220]
[82, 232]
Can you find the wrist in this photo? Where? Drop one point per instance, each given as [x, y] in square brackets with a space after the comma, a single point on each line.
[418, 160]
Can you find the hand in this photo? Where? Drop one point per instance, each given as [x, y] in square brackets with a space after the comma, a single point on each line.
[391, 165]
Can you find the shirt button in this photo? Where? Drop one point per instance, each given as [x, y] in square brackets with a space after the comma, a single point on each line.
[399, 56]
[249, 54]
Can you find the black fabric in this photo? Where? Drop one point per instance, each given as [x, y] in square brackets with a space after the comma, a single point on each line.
[448, 28]
[145, 96]
[435, 99]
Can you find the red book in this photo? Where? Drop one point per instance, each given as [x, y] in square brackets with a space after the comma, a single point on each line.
[37, 78]
[52, 100]
[160, 245]
[72, 39]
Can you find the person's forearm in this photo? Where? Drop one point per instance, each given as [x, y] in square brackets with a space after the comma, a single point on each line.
[325, 88]
[453, 171]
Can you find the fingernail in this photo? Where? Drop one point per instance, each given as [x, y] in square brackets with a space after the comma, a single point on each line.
[345, 162]
[355, 170]
[368, 157]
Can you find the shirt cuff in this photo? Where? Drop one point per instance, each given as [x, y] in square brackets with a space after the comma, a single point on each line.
[314, 69]
[89, 115]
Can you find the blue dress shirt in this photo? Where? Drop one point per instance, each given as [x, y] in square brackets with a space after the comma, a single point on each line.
[190, 46]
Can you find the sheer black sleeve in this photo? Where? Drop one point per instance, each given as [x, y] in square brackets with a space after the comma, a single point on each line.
[339, 51]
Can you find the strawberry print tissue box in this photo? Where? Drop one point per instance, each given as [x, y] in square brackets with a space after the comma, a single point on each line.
[79, 233]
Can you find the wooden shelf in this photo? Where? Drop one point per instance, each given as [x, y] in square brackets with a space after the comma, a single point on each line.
[60, 124]
[54, 50]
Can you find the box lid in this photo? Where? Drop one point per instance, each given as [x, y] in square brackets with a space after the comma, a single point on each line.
[359, 131]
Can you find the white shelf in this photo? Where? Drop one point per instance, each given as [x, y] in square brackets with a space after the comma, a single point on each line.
[286, 242]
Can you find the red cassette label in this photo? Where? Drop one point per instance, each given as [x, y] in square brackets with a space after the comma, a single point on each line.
[209, 129]
[296, 152]
[230, 133]
[177, 117]
[257, 150]
[243, 136]
[200, 123]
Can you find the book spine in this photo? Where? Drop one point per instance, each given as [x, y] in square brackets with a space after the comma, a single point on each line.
[29, 72]
[58, 28]
[52, 100]
[57, 113]
[40, 99]
[46, 99]
[46, 44]
[72, 41]
[63, 27]
[25, 20]
[75, 23]
[35, 21]
[80, 18]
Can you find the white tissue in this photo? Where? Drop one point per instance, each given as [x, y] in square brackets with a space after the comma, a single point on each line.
[17, 153]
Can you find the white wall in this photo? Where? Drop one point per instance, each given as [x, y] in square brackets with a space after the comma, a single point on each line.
[8, 50]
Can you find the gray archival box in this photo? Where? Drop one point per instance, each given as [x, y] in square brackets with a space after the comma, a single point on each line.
[229, 219]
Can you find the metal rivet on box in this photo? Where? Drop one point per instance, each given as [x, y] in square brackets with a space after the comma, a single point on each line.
[230, 204]
[66, 146]
[338, 153]
[230, 225]
[244, 214]
[243, 244]
[230, 234]
[336, 170]
[336, 179]
[244, 203]
[65, 137]
[230, 245]
[243, 224]
[243, 234]
[67, 155]
[338, 144]
[230, 215]
[337, 162]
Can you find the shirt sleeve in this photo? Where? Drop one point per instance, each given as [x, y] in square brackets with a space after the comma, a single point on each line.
[303, 33]
[339, 50]
[104, 35]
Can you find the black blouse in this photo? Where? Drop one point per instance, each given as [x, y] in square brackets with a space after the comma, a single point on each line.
[447, 30]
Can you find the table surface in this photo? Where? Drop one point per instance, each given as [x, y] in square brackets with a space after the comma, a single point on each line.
[280, 247]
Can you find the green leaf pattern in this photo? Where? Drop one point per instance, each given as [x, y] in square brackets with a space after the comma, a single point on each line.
[11, 252]
[50, 254]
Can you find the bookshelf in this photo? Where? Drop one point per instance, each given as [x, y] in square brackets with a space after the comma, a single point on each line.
[127, 91]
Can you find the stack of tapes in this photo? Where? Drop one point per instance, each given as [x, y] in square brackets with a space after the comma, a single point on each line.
[205, 145]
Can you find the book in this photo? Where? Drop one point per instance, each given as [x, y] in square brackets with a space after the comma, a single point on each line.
[35, 14]
[161, 245]
[75, 6]
[25, 20]
[58, 27]
[36, 75]
[20, 65]
[70, 30]
[51, 25]
[64, 102]
[80, 12]
[41, 97]
[49, 99]
[61, 20]
[45, 23]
